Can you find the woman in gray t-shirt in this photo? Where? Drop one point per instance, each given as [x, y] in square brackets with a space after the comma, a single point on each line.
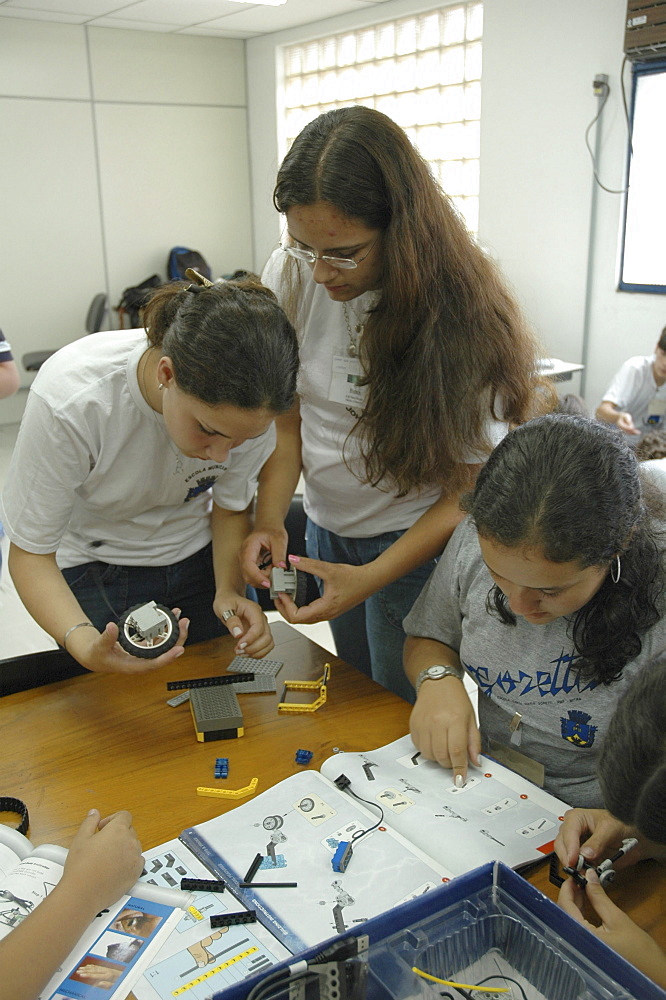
[549, 595]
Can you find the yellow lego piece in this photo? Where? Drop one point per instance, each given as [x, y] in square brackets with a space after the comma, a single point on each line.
[228, 793]
[192, 910]
[294, 707]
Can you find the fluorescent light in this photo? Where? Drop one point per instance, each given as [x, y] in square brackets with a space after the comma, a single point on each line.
[263, 3]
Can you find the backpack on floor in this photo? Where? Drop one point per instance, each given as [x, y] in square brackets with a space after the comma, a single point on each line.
[180, 258]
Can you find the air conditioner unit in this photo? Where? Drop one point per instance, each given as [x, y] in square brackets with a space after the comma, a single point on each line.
[645, 32]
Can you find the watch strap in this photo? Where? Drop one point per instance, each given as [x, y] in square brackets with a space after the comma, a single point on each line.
[425, 675]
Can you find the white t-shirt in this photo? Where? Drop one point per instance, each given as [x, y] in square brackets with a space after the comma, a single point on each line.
[635, 391]
[334, 498]
[94, 475]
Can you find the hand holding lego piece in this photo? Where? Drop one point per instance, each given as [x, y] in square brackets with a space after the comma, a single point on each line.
[595, 834]
[345, 586]
[617, 930]
[104, 653]
[261, 550]
[247, 624]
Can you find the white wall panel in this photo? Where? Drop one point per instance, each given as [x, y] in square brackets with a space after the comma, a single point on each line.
[166, 69]
[182, 180]
[101, 179]
[42, 59]
[49, 219]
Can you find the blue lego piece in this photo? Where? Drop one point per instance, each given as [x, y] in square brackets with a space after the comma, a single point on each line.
[303, 756]
[342, 856]
[221, 767]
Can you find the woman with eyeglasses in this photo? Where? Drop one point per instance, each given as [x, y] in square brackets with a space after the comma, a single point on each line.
[414, 359]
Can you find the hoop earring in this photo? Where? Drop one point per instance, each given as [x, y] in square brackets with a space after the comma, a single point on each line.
[616, 570]
[161, 385]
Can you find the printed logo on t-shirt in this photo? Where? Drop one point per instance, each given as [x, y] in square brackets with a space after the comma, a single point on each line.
[576, 730]
[562, 679]
[203, 484]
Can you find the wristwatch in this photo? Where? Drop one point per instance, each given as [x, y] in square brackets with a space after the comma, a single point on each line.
[435, 673]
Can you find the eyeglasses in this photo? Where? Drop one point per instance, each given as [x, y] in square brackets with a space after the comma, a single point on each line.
[310, 257]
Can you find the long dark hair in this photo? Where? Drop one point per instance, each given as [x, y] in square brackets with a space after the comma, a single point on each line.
[632, 763]
[446, 342]
[570, 488]
[229, 343]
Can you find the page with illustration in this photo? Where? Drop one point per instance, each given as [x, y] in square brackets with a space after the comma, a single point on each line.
[296, 827]
[498, 815]
[114, 948]
[195, 959]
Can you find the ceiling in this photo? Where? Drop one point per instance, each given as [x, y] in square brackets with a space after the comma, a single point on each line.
[221, 18]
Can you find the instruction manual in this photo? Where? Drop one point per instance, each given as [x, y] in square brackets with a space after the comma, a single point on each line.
[407, 826]
[117, 946]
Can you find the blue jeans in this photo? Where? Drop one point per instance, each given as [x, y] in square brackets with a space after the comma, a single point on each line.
[370, 636]
[106, 591]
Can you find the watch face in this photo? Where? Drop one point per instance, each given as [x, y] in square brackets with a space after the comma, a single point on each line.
[435, 672]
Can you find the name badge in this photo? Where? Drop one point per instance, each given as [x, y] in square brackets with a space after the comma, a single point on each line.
[656, 411]
[345, 377]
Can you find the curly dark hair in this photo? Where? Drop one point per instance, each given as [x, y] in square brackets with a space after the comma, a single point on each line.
[651, 445]
[447, 343]
[571, 488]
[632, 763]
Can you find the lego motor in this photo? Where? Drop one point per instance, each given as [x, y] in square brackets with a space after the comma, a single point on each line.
[288, 581]
[148, 630]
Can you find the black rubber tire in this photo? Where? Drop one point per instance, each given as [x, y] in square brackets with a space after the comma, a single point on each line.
[149, 652]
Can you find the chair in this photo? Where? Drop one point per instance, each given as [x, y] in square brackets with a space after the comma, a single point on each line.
[21, 673]
[34, 360]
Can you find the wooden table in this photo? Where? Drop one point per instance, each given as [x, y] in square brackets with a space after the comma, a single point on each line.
[111, 742]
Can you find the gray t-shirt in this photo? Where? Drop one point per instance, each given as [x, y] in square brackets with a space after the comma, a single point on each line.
[524, 668]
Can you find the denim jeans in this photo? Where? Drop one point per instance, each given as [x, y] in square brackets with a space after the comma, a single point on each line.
[106, 591]
[370, 636]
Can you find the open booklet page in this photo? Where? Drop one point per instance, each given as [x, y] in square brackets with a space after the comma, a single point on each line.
[497, 816]
[296, 827]
[114, 949]
[196, 959]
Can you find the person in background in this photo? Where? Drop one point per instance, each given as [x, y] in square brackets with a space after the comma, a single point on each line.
[635, 401]
[135, 467]
[632, 775]
[550, 596]
[9, 383]
[414, 360]
[103, 862]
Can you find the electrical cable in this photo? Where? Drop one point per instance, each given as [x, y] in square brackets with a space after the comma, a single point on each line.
[277, 981]
[362, 833]
[603, 84]
[507, 979]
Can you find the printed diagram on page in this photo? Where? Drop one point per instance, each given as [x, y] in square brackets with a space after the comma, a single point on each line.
[196, 961]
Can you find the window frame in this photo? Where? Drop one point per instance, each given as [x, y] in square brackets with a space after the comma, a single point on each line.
[640, 69]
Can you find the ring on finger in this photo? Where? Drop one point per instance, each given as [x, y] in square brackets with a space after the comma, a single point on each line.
[226, 615]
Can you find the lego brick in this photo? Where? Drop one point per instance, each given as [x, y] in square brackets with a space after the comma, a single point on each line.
[261, 684]
[215, 709]
[222, 767]
[342, 856]
[228, 919]
[218, 680]
[247, 665]
[303, 756]
[202, 885]
[228, 793]
[178, 699]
